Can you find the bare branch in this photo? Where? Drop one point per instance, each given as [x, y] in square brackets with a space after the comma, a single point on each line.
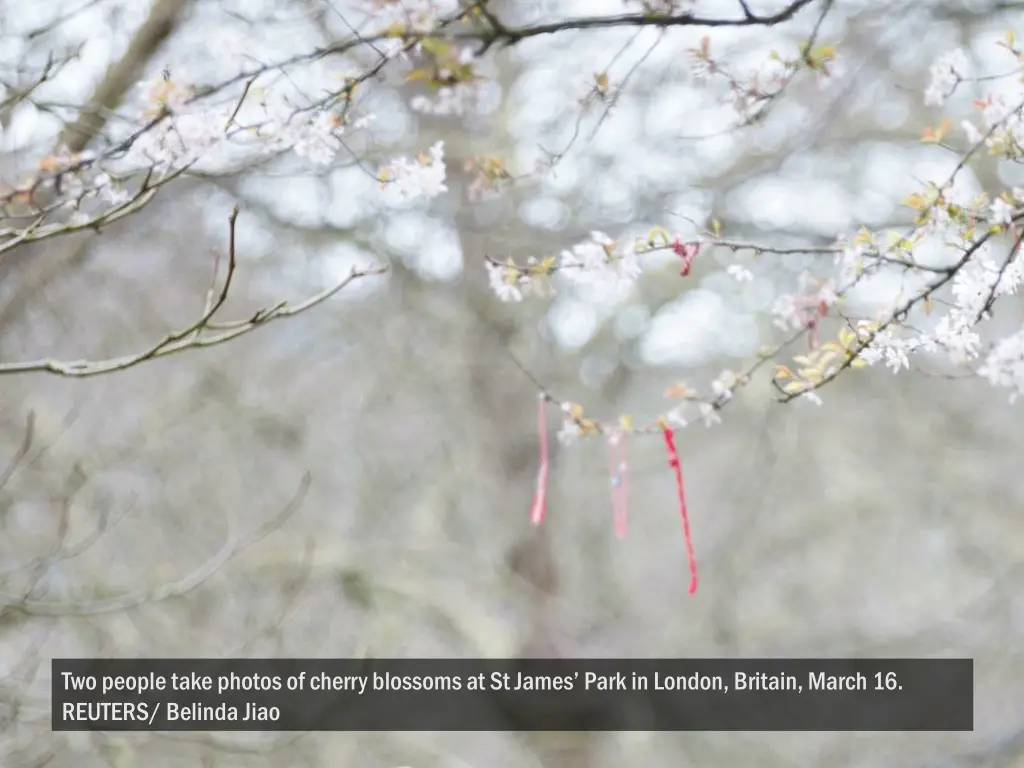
[233, 546]
[512, 35]
[19, 456]
[192, 336]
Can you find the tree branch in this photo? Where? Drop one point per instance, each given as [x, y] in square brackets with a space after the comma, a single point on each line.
[192, 336]
[233, 546]
[162, 20]
[512, 35]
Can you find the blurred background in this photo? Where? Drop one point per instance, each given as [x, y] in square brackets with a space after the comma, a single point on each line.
[886, 522]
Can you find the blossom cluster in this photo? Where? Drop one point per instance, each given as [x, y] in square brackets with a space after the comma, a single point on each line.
[1004, 366]
[490, 175]
[403, 179]
[946, 74]
[181, 130]
[804, 309]
[1000, 125]
[452, 81]
[751, 93]
[597, 263]
[317, 137]
[77, 181]
[408, 16]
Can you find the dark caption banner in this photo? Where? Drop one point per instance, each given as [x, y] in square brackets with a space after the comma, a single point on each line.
[520, 695]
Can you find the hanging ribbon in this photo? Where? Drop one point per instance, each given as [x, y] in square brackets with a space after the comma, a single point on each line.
[688, 252]
[674, 463]
[539, 506]
[619, 471]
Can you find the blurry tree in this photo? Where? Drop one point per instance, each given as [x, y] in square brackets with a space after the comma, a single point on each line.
[777, 193]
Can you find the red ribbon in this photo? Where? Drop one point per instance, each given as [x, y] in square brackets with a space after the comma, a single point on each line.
[539, 506]
[619, 471]
[688, 252]
[674, 463]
